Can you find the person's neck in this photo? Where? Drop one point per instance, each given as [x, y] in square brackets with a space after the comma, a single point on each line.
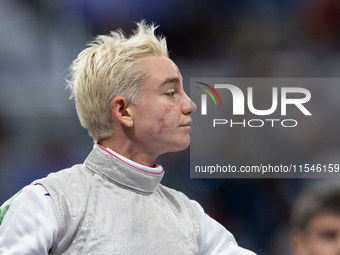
[129, 150]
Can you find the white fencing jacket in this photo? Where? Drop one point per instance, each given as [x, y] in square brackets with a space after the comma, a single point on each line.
[109, 205]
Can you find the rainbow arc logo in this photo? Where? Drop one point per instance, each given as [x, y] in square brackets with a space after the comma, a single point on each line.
[204, 97]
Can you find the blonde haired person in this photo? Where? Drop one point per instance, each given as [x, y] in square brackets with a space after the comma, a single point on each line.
[111, 66]
[129, 96]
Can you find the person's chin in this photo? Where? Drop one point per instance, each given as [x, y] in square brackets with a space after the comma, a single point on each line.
[184, 143]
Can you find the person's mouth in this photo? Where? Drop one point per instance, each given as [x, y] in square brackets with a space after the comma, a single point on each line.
[187, 125]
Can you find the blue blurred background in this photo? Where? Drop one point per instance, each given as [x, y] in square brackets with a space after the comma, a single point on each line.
[40, 132]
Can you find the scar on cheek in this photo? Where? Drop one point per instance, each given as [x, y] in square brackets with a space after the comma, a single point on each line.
[161, 121]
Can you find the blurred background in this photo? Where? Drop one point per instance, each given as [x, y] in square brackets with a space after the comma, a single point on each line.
[40, 132]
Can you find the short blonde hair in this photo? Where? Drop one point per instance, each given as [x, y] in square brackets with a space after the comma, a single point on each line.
[108, 68]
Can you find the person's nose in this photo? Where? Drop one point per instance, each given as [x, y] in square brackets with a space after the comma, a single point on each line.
[193, 107]
[189, 106]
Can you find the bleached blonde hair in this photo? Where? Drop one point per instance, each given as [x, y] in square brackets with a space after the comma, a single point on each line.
[107, 68]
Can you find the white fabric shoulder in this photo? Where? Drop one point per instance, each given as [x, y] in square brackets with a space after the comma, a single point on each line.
[216, 239]
[31, 224]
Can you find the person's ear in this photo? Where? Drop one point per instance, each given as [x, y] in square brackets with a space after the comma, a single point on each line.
[120, 108]
[297, 242]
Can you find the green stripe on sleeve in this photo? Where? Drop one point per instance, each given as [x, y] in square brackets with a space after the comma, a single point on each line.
[5, 206]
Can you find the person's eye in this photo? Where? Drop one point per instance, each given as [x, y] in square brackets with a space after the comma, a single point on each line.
[329, 235]
[171, 94]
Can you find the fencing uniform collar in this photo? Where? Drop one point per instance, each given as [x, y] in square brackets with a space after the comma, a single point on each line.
[114, 168]
[156, 169]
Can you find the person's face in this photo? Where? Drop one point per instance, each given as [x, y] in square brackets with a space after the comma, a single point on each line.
[162, 118]
[321, 237]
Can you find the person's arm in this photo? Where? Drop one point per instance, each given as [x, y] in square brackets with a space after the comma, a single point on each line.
[31, 225]
[215, 239]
